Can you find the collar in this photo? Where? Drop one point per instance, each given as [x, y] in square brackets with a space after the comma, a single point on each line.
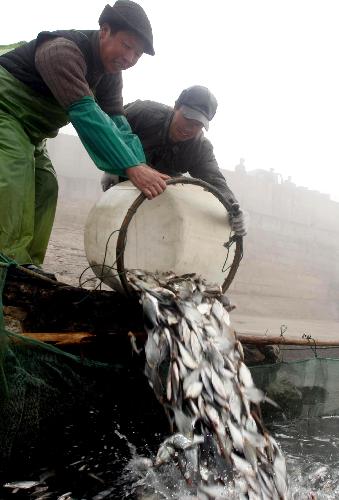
[165, 133]
[98, 67]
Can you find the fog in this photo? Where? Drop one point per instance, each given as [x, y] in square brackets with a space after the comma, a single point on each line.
[272, 66]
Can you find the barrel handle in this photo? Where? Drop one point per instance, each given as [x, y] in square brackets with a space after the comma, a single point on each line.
[122, 237]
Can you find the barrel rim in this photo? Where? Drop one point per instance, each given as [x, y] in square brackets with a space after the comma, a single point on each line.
[122, 236]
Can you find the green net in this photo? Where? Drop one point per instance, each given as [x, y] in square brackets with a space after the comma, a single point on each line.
[37, 381]
[303, 389]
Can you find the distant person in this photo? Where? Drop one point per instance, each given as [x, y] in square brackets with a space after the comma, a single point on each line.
[61, 77]
[174, 143]
[240, 167]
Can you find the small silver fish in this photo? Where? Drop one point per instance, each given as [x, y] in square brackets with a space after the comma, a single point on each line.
[187, 358]
[242, 465]
[193, 377]
[164, 455]
[152, 352]
[194, 390]
[204, 308]
[151, 308]
[245, 376]
[254, 394]
[218, 385]
[22, 485]
[237, 439]
[169, 384]
[186, 332]
[195, 346]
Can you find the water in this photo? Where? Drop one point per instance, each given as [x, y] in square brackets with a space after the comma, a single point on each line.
[311, 448]
[91, 452]
[83, 450]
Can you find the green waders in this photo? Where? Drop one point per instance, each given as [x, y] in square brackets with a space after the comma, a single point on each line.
[28, 183]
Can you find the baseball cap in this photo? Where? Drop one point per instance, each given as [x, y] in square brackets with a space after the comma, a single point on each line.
[198, 103]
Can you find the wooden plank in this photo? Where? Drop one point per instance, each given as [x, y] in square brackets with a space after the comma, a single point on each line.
[60, 338]
[282, 340]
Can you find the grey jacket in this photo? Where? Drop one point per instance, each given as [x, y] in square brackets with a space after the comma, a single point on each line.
[150, 121]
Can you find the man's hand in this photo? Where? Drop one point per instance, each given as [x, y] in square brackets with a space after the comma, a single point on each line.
[149, 181]
[239, 223]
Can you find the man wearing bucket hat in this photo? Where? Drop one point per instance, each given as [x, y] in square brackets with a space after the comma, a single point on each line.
[174, 143]
[60, 77]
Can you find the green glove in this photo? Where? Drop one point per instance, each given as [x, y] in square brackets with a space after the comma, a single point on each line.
[109, 142]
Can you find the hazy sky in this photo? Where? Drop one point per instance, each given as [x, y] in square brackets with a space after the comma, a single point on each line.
[271, 64]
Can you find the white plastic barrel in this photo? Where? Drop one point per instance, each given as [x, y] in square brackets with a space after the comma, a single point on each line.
[183, 230]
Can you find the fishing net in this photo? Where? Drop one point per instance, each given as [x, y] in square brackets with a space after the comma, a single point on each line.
[37, 382]
[303, 389]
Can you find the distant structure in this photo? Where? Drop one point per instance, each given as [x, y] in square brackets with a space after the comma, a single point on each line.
[290, 266]
[266, 175]
[288, 181]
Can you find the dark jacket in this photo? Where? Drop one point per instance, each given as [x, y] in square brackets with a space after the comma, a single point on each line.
[107, 88]
[150, 121]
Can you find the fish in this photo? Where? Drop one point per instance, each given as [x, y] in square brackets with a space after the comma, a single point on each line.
[152, 352]
[192, 378]
[236, 435]
[195, 365]
[245, 376]
[187, 359]
[151, 309]
[218, 385]
[194, 390]
[195, 346]
[22, 485]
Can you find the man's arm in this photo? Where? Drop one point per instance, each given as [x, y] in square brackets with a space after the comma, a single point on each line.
[205, 167]
[106, 144]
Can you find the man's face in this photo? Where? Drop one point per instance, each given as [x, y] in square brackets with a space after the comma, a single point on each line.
[120, 50]
[183, 129]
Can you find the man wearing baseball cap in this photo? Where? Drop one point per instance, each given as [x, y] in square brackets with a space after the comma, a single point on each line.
[60, 77]
[174, 143]
[197, 103]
